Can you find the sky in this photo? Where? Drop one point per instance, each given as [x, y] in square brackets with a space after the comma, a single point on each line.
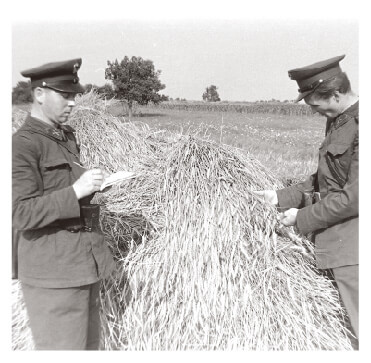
[246, 58]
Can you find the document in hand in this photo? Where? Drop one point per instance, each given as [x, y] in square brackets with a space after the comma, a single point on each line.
[117, 177]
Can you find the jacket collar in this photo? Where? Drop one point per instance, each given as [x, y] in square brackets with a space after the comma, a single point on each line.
[353, 110]
[350, 113]
[36, 125]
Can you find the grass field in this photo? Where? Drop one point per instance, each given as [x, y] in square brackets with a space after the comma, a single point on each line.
[287, 145]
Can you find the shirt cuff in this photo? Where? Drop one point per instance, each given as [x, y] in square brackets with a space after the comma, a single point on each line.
[285, 199]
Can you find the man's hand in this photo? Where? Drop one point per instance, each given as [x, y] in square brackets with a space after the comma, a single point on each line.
[88, 183]
[288, 218]
[269, 196]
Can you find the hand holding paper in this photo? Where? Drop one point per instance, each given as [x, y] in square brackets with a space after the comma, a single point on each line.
[116, 178]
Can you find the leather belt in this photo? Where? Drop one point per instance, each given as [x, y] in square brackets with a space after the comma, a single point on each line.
[88, 221]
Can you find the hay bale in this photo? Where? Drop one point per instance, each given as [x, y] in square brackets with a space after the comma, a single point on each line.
[21, 332]
[18, 117]
[200, 261]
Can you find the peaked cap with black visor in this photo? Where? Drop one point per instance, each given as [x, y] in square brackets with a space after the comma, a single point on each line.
[310, 77]
[58, 76]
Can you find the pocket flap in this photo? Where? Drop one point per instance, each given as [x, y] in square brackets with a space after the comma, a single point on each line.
[55, 163]
[337, 149]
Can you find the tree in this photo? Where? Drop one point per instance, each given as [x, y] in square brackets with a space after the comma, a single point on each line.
[22, 93]
[211, 94]
[135, 79]
[106, 90]
[164, 98]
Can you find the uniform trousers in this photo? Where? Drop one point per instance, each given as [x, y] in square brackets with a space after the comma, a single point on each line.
[347, 280]
[64, 318]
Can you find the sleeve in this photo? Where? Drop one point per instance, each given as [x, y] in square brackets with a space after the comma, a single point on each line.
[336, 206]
[32, 209]
[292, 196]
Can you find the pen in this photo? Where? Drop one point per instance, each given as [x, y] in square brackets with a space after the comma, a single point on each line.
[81, 166]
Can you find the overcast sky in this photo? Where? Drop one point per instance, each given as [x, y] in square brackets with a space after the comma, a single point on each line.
[247, 59]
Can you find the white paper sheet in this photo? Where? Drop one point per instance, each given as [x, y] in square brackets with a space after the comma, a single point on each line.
[117, 177]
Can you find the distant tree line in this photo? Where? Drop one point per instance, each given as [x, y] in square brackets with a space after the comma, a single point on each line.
[22, 92]
[133, 80]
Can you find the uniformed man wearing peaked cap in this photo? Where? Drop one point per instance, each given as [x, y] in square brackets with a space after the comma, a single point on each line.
[326, 204]
[62, 255]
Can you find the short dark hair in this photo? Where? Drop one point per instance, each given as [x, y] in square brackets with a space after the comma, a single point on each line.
[338, 83]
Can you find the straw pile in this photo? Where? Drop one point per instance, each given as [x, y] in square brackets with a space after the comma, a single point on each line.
[201, 263]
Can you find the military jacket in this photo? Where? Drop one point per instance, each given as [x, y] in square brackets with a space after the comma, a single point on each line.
[45, 164]
[333, 221]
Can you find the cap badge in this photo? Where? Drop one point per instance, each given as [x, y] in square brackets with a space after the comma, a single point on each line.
[76, 67]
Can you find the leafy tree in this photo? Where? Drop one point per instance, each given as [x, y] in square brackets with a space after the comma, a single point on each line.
[211, 94]
[135, 79]
[164, 98]
[22, 93]
[106, 90]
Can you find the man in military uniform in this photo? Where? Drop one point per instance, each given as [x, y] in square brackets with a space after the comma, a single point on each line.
[326, 204]
[62, 255]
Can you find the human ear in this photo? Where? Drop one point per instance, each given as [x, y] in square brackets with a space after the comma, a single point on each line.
[39, 95]
[336, 96]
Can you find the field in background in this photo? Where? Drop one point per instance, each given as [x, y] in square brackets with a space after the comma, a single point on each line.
[285, 143]
[275, 107]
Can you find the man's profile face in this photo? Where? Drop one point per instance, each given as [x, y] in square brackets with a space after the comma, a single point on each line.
[57, 106]
[327, 107]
